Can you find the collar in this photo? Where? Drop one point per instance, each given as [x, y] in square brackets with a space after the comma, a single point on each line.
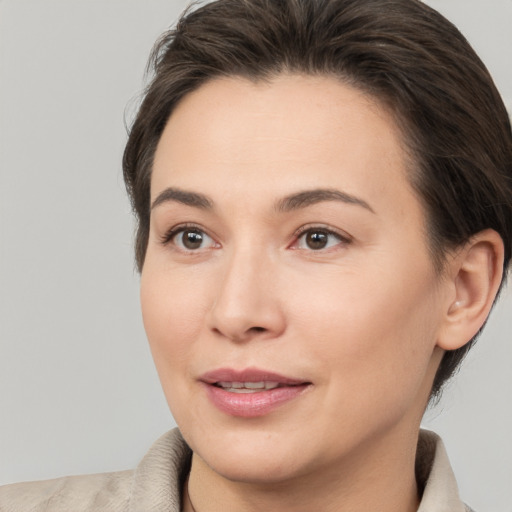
[434, 471]
[158, 479]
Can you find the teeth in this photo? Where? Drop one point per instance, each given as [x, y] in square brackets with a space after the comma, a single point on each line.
[247, 387]
[254, 385]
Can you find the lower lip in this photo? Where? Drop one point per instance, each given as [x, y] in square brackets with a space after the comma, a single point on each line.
[252, 405]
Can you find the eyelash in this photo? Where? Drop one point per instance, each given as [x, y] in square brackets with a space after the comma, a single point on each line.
[343, 239]
[168, 237]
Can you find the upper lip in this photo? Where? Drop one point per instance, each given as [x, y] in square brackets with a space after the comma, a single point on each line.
[248, 375]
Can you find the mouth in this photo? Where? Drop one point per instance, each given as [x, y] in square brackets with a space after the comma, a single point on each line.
[251, 393]
[248, 387]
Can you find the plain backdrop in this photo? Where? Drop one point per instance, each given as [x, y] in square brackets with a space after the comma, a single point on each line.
[78, 392]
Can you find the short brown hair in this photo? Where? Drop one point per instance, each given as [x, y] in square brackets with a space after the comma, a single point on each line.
[402, 52]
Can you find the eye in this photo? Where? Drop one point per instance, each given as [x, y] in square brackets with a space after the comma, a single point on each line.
[189, 239]
[317, 239]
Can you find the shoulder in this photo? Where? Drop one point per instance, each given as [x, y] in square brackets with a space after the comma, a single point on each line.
[108, 492]
[154, 486]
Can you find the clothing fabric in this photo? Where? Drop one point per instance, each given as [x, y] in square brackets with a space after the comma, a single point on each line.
[156, 484]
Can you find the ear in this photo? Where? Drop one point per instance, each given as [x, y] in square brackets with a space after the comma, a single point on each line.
[474, 277]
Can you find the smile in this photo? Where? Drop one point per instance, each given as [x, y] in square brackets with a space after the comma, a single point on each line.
[250, 393]
[247, 387]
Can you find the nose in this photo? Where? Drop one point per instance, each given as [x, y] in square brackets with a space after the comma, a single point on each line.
[247, 303]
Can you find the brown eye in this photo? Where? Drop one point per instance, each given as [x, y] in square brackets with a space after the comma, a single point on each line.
[316, 240]
[192, 239]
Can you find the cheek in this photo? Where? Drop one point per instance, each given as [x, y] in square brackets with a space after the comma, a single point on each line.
[374, 333]
[173, 310]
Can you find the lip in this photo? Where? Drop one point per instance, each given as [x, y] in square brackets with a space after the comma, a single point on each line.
[255, 404]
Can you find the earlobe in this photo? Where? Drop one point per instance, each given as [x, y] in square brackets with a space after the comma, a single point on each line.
[475, 273]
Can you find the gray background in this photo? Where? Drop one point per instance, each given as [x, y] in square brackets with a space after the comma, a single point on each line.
[78, 392]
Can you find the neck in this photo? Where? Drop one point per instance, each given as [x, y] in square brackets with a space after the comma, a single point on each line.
[376, 478]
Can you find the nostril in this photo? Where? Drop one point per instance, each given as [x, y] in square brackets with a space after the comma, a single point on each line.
[257, 329]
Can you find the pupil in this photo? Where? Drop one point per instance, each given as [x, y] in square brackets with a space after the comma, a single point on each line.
[192, 239]
[316, 240]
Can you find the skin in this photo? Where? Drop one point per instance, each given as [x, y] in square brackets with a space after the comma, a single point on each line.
[365, 320]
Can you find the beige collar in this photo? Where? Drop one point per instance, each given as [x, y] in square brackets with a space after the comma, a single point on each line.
[159, 478]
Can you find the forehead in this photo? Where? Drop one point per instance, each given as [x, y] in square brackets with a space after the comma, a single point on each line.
[273, 137]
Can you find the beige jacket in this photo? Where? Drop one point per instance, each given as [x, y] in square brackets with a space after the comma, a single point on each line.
[155, 485]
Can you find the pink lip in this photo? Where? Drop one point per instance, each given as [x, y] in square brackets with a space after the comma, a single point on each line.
[250, 405]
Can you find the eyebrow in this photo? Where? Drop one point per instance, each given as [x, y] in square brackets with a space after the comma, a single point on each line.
[311, 197]
[193, 199]
[289, 203]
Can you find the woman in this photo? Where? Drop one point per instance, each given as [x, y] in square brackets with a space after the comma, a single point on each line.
[323, 191]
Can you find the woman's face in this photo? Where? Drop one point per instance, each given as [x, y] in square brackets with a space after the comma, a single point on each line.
[288, 295]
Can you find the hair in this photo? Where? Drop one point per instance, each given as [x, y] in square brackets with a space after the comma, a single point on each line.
[401, 52]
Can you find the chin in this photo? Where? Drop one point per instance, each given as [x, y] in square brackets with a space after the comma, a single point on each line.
[250, 455]
[255, 466]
